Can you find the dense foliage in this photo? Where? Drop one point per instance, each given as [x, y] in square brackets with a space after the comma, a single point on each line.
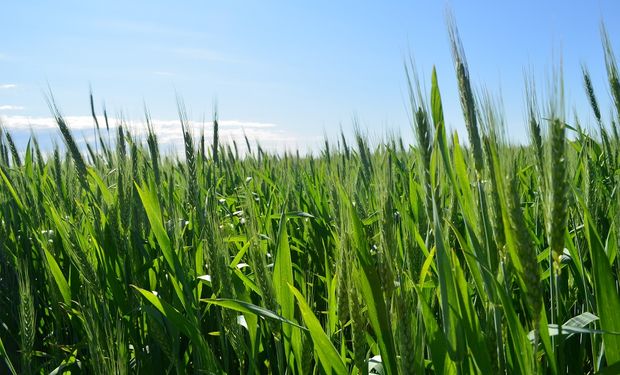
[494, 258]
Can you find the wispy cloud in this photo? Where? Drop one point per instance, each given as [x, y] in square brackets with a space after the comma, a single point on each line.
[203, 54]
[169, 132]
[11, 107]
[6, 86]
[147, 28]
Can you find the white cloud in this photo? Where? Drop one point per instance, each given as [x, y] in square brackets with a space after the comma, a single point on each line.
[169, 133]
[6, 86]
[245, 124]
[11, 107]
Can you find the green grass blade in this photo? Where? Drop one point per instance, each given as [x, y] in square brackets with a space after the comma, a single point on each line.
[436, 106]
[188, 327]
[6, 358]
[282, 277]
[283, 272]
[148, 196]
[249, 308]
[435, 338]
[450, 309]
[328, 355]
[522, 346]
[11, 189]
[105, 192]
[177, 319]
[370, 288]
[59, 278]
[153, 212]
[607, 298]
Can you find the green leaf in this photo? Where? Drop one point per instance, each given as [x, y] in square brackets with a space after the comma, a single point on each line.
[282, 277]
[6, 358]
[59, 278]
[283, 272]
[11, 190]
[466, 195]
[247, 281]
[517, 333]
[248, 308]
[177, 319]
[65, 364]
[436, 340]
[150, 202]
[575, 325]
[153, 212]
[470, 322]
[189, 328]
[427, 264]
[436, 105]
[28, 169]
[607, 299]
[105, 192]
[328, 355]
[546, 341]
[293, 214]
[450, 308]
[440, 148]
[370, 288]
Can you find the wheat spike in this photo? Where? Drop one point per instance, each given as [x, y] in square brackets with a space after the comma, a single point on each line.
[558, 186]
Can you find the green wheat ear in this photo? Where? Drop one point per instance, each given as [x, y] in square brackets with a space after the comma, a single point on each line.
[80, 165]
[405, 336]
[215, 138]
[26, 313]
[558, 185]
[468, 103]
[17, 161]
[526, 252]
[358, 326]
[587, 84]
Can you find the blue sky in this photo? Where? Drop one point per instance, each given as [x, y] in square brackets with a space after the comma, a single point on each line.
[287, 73]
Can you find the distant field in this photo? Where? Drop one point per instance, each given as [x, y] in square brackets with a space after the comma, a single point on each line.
[439, 258]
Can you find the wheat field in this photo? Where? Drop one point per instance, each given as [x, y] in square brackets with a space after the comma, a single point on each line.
[443, 257]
